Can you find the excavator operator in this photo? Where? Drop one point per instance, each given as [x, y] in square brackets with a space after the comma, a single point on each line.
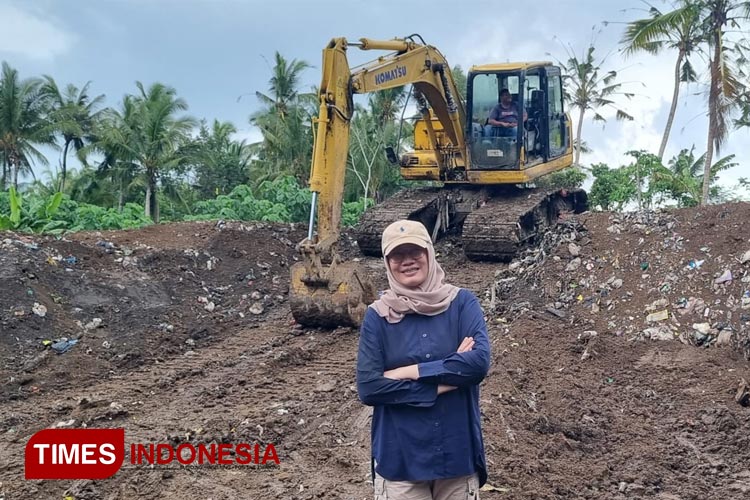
[503, 118]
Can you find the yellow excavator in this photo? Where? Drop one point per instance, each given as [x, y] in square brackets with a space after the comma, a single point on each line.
[483, 171]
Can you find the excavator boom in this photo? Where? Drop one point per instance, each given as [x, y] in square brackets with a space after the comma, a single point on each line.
[324, 290]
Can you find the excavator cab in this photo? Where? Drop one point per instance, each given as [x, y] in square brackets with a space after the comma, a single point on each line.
[536, 94]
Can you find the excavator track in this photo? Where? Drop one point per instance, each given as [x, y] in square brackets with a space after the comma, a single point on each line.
[422, 204]
[495, 222]
[511, 218]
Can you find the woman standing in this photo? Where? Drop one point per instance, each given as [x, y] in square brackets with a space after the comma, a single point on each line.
[423, 351]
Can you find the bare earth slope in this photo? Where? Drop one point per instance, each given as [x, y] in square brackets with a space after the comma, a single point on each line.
[184, 334]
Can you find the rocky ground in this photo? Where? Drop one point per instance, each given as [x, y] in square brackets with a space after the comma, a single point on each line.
[619, 359]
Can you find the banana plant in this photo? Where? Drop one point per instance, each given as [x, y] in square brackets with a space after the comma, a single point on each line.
[38, 218]
[14, 220]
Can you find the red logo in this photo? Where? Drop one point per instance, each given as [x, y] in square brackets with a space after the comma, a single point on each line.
[99, 454]
[75, 453]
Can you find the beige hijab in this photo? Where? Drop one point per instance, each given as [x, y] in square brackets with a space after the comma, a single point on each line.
[431, 297]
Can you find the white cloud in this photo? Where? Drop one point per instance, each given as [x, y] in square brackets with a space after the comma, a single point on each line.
[32, 35]
[249, 135]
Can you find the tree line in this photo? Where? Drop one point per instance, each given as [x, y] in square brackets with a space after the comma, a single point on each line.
[148, 152]
[711, 32]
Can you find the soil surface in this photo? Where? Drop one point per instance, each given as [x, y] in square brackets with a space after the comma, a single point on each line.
[182, 333]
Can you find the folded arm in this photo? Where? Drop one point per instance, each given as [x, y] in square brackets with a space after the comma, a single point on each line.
[467, 366]
[374, 388]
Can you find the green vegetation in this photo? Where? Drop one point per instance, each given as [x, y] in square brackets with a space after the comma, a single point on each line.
[148, 160]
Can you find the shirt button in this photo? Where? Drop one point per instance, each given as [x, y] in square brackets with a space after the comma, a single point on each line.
[437, 424]
[428, 356]
[424, 335]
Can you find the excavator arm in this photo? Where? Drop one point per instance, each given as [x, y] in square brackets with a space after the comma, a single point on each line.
[324, 290]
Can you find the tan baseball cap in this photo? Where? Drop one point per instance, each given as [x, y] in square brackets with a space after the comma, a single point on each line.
[405, 231]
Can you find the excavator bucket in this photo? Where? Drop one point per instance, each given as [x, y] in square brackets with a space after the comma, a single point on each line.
[339, 300]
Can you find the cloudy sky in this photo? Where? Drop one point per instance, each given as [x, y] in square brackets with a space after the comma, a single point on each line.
[216, 51]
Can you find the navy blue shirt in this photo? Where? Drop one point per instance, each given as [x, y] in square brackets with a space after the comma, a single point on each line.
[416, 434]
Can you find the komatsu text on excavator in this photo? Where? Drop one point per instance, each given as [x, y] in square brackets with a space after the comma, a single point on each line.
[483, 169]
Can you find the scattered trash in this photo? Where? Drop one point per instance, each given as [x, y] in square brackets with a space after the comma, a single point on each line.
[93, 324]
[725, 277]
[108, 246]
[658, 316]
[106, 344]
[589, 338]
[617, 283]
[691, 305]
[256, 308]
[644, 266]
[703, 328]
[39, 309]
[657, 304]
[573, 264]
[574, 249]
[724, 337]
[210, 306]
[745, 257]
[556, 312]
[71, 260]
[64, 345]
[695, 264]
[489, 487]
[658, 333]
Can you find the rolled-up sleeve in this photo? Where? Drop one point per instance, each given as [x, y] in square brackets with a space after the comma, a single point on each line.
[464, 368]
[375, 389]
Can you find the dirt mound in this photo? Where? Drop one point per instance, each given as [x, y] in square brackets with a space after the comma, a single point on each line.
[132, 297]
[181, 333]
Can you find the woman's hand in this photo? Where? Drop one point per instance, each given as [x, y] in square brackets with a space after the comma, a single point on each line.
[442, 388]
[467, 345]
[410, 372]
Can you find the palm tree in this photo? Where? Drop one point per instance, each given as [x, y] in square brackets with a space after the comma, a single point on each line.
[678, 30]
[73, 114]
[726, 90]
[219, 162]
[118, 164]
[285, 124]
[683, 179]
[146, 137]
[386, 104]
[588, 89]
[23, 124]
[283, 84]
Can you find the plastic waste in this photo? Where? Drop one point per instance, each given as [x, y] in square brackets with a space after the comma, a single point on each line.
[658, 316]
[64, 346]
